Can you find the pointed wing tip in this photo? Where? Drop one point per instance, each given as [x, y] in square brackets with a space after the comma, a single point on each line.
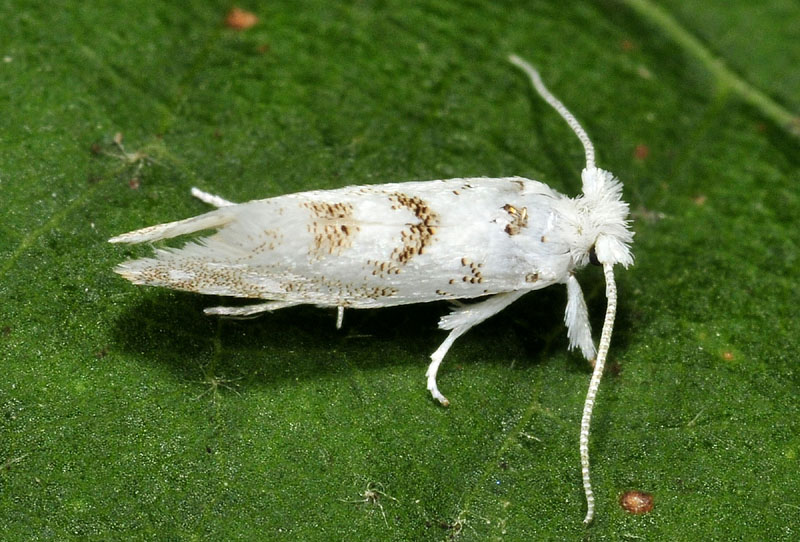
[136, 236]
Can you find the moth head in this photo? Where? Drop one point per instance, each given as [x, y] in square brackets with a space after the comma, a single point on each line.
[602, 232]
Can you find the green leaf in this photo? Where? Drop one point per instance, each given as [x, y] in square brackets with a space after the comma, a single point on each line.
[128, 414]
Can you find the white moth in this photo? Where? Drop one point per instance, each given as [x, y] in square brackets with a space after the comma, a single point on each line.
[363, 247]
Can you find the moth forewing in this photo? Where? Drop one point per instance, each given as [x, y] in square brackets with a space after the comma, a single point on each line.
[487, 239]
[366, 247]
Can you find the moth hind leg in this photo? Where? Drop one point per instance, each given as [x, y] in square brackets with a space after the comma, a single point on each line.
[249, 310]
[461, 320]
[211, 199]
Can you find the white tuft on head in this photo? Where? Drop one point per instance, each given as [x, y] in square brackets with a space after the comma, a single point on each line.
[608, 216]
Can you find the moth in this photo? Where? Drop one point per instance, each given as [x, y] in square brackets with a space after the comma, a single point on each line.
[362, 247]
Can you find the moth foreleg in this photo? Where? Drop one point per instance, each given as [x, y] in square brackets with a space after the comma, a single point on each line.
[249, 310]
[459, 322]
[579, 330]
[211, 199]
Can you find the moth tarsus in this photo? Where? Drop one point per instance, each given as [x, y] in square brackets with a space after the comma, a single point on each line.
[491, 240]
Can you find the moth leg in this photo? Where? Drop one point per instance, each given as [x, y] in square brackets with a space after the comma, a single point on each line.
[250, 310]
[211, 199]
[436, 360]
[459, 322]
[579, 330]
[339, 316]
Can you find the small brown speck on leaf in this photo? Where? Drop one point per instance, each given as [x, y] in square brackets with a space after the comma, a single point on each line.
[700, 200]
[626, 45]
[239, 19]
[134, 183]
[95, 148]
[641, 152]
[636, 502]
[6, 331]
[727, 355]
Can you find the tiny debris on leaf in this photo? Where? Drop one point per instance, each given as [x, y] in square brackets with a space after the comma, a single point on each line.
[636, 502]
[239, 19]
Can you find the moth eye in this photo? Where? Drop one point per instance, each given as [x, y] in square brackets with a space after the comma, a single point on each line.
[593, 257]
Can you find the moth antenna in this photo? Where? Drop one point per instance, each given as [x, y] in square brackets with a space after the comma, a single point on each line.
[594, 384]
[556, 104]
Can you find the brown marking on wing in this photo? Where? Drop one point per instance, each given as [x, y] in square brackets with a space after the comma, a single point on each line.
[472, 273]
[519, 219]
[415, 238]
[332, 226]
[267, 240]
[344, 292]
[193, 275]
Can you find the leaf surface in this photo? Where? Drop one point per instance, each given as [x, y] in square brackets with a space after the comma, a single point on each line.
[128, 414]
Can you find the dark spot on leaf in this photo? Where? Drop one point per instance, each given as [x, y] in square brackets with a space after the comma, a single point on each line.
[100, 354]
[636, 502]
[641, 151]
[95, 148]
[6, 331]
[134, 183]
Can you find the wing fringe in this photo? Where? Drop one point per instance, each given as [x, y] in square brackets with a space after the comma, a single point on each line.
[214, 219]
